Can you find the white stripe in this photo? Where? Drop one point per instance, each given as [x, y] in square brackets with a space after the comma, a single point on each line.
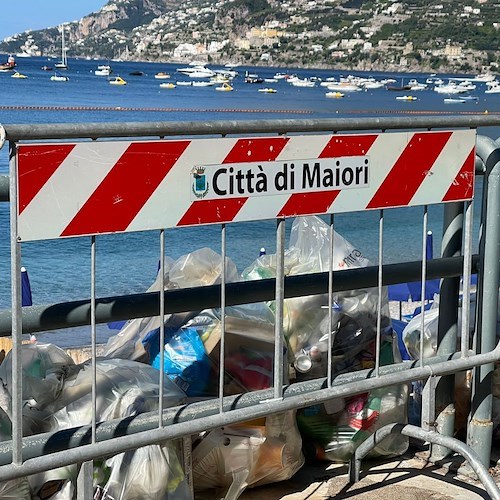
[172, 198]
[383, 154]
[447, 165]
[64, 194]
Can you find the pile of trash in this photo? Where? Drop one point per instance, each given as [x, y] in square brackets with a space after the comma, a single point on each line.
[57, 392]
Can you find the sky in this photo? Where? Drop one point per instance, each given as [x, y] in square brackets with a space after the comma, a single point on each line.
[21, 15]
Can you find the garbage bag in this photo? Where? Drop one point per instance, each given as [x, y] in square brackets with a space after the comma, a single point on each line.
[306, 323]
[333, 430]
[199, 268]
[124, 388]
[249, 454]
[248, 347]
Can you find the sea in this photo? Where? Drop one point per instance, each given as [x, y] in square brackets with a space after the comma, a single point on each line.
[59, 270]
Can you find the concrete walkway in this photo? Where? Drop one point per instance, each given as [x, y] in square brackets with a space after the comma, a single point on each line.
[409, 477]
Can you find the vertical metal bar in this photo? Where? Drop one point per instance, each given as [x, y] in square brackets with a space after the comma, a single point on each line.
[422, 284]
[451, 246]
[464, 347]
[280, 297]
[187, 453]
[379, 291]
[17, 324]
[93, 336]
[330, 302]
[161, 296]
[222, 319]
[480, 426]
[84, 482]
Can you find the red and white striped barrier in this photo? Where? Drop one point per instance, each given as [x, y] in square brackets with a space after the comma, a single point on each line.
[89, 188]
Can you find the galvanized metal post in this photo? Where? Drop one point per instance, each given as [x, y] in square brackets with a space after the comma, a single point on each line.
[447, 327]
[479, 434]
[17, 325]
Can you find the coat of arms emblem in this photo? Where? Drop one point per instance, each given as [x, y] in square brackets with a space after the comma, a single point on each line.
[199, 182]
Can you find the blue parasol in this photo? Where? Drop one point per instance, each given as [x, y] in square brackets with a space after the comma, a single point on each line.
[26, 298]
[404, 292]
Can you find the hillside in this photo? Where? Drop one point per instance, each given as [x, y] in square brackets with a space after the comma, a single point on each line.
[445, 35]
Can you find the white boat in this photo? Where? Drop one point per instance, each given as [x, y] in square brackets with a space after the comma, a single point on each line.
[63, 63]
[493, 90]
[18, 75]
[270, 80]
[454, 100]
[103, 70]
[59, 78]
[225, 87]
[416, 85]
[450, 88]
[483, 77]
[162, 76]
[183, 83]
[267, 90]
[202, 83]
[343, 87]
[118, 80]
[335, 95]
[168, 85]
[406, 98]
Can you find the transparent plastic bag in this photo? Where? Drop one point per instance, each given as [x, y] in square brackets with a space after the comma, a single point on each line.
[199, 268]
[249, 454]
[150, 472]
[124, 388]
[306, 324]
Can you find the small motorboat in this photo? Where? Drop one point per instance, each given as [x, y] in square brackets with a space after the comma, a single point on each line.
[453, 100]
[168, 85]
[118, 80]
[59, 78]
[103, 70]
[18, 75]
[268, 90]
[162, 76]
[225, 87]
[406, 98]
[136, 73]
[46, 68]
[335, 95]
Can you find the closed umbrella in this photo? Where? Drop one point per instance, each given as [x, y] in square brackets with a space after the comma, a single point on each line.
[26, 298]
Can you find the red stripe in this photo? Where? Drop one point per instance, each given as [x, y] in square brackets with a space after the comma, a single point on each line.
[252, 150]
[348, 145]
[308, 203]
[126, 188]
[212, 211]
[462, 188]
[410, 170]
[35, 165]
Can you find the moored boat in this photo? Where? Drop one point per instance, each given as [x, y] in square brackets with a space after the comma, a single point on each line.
[168, 85]
[334, 94]
[118, 80]
[9, 65]
[162, 75]
[18, 75]
[225, 87]
[268, 90]
[406, 98]
[59, 78]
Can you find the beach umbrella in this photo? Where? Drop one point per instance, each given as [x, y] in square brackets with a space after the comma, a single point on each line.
[404, 292]
[26, 298]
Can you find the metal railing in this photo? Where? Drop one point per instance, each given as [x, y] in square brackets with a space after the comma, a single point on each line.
[25, 455]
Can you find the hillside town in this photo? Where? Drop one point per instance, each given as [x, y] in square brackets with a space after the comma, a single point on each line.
[413, 35]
